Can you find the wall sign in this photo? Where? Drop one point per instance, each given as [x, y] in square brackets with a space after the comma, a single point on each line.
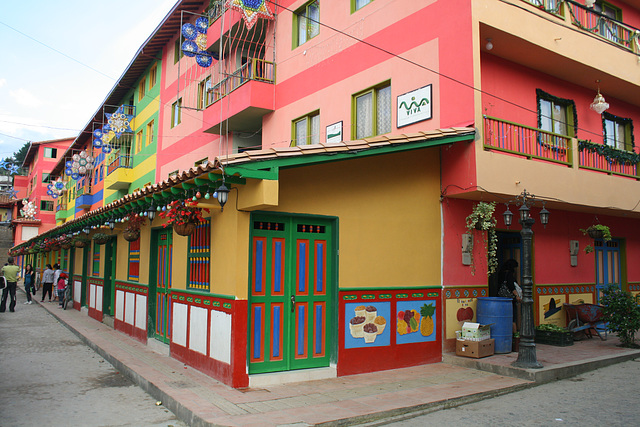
[334, 133]
[414, 106]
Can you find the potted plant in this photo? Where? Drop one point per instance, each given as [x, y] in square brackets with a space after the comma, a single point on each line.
[183, 215]
[131, 232]
[622, 315]
[481, 218]
[65, 242]
[101, 238]
[596, 231]
[80, 241]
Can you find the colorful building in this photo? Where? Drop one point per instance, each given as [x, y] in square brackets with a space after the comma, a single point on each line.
[334, 155]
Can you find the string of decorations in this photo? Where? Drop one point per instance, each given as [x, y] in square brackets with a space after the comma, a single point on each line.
[610, 153]
[195, 43]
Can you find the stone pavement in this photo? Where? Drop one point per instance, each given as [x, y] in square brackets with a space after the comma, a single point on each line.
[364, 399]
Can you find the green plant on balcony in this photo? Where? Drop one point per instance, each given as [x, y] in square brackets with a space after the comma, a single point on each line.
[481, 218]
[596, 231]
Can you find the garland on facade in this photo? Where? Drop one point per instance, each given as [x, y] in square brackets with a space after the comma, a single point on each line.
[540, 94]
[625, 121]
[610, 153]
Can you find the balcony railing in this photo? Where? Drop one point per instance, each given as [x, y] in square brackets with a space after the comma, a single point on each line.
[216, 9]
[119, 162]
[607, 159]
[526, 141]
[255, 69]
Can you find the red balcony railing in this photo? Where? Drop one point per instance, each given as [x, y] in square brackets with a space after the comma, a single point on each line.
[606, 160]
[526, 141]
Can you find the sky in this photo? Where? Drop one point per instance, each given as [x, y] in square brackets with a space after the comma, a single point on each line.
[60, 59]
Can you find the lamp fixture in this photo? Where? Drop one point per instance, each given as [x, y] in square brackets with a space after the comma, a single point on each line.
[599, 105]
[222, 195]
[489, 44]
[151, 212]
[508, 217]
[590, 3]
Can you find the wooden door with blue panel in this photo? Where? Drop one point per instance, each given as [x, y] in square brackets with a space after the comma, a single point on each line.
[291, 286]
[160, 284]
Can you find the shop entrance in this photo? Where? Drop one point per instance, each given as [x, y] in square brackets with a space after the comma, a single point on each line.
[291, 292]
[160, 284]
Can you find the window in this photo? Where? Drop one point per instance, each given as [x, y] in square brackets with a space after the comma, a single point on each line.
[607, 27]
[46, 178]
[138, 141]
[306, 130]
[617, 132]
[198, 257]
[556, 115]
[46, 205]
[176, 113]
[372, 112]
[306, 22]
[142, 87]
[50, 153]
[205, 93]
[153, 76]
[134, 261]
[149, 139]
[177, 51]
[201, 162]
[359, 4]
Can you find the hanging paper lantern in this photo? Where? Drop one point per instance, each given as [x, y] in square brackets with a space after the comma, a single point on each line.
[204, 60]
[106, 149]
[68, 163]
[202, 24]
[49, 192]
[97, 133]
[68, 172]
[201, 41]
[189, 48]
[82, 170]
[54, 195]
[75, 157]
[189, 31]
[97, 143]
[75, 175]
[59, 185]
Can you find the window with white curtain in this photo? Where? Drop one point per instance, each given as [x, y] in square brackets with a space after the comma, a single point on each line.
[359, 4]
[306, 130]
[372, 112]
[617, 132]
[307, 22]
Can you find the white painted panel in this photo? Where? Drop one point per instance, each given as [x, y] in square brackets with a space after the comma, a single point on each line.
[77, 290]
[179, 324]
[92, 295]
[129, 308]
[198, 330]
[141, 312]
[99, 298]
[220, 342]
[119, 305]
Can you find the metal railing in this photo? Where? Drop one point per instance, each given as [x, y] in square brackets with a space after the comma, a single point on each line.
[119, 162]
[500, 135]
[592, 160]
[216, 10]
[254, 69]
[601, 25]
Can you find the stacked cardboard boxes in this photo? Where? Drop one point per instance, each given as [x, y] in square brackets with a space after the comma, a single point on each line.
[474, 341]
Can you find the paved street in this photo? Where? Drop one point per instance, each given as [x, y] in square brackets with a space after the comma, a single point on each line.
[606, 396]
[49, 377]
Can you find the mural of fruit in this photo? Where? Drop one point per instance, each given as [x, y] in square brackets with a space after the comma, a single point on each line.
[426, 325]
[465, 314]
[402, 327]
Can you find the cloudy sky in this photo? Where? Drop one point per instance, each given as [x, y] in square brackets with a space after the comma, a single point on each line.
[59, 60]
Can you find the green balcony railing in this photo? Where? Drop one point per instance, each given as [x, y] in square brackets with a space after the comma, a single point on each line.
[532, 143]
[254, 69]
[603, 158]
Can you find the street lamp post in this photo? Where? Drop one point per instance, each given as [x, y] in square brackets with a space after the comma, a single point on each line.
[527, 349]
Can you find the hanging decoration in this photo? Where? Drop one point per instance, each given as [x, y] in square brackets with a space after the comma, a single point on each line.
[28, 210]
[9, 167]
[56, 188]
[118, 122]
[251, 10]
[195, 43]
[79, 164]
[599, 105]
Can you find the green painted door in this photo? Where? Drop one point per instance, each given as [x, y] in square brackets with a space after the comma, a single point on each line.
[160, 284]
[291, 290]
[109, 289]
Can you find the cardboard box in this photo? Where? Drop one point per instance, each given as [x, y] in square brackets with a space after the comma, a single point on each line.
[475, 331]
[475, 349]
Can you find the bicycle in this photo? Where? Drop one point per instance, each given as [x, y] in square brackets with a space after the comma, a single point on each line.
[68, 296]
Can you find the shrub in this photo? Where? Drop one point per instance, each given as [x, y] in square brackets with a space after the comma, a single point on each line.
[622, 314]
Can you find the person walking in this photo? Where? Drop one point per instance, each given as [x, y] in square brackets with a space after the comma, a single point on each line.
[56, 276]
[29, 282]
[61, 284]
[11, 272]
[47, 282]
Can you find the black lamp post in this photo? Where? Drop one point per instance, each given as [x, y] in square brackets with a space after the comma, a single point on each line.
[527, 349]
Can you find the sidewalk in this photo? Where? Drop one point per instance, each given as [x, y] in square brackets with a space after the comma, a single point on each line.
[199, 400]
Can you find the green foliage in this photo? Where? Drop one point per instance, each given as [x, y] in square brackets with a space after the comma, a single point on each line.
[551, 328]
[481, 218]
[606, 234]
[622, 314]
[610, 153]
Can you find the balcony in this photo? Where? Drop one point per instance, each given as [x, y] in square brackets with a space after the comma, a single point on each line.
[84, 199]
[119, 173]
[251, 93]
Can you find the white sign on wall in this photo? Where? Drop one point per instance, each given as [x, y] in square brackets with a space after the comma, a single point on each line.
[334, 132]
[414, 106]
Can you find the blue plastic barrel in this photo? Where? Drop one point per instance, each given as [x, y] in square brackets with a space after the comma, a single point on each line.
[497, 312]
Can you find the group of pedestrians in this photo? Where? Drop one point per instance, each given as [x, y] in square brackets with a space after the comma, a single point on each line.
[51, 275]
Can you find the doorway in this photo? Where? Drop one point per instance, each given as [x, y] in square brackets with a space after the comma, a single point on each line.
[160, 284]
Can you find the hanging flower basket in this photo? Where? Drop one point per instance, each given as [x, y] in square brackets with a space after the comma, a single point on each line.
[595, 234]
[185, 229]
[80, 243]
[131, 235]
[56, 248]
[598, 231]
[101, 238]
[66, 246]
